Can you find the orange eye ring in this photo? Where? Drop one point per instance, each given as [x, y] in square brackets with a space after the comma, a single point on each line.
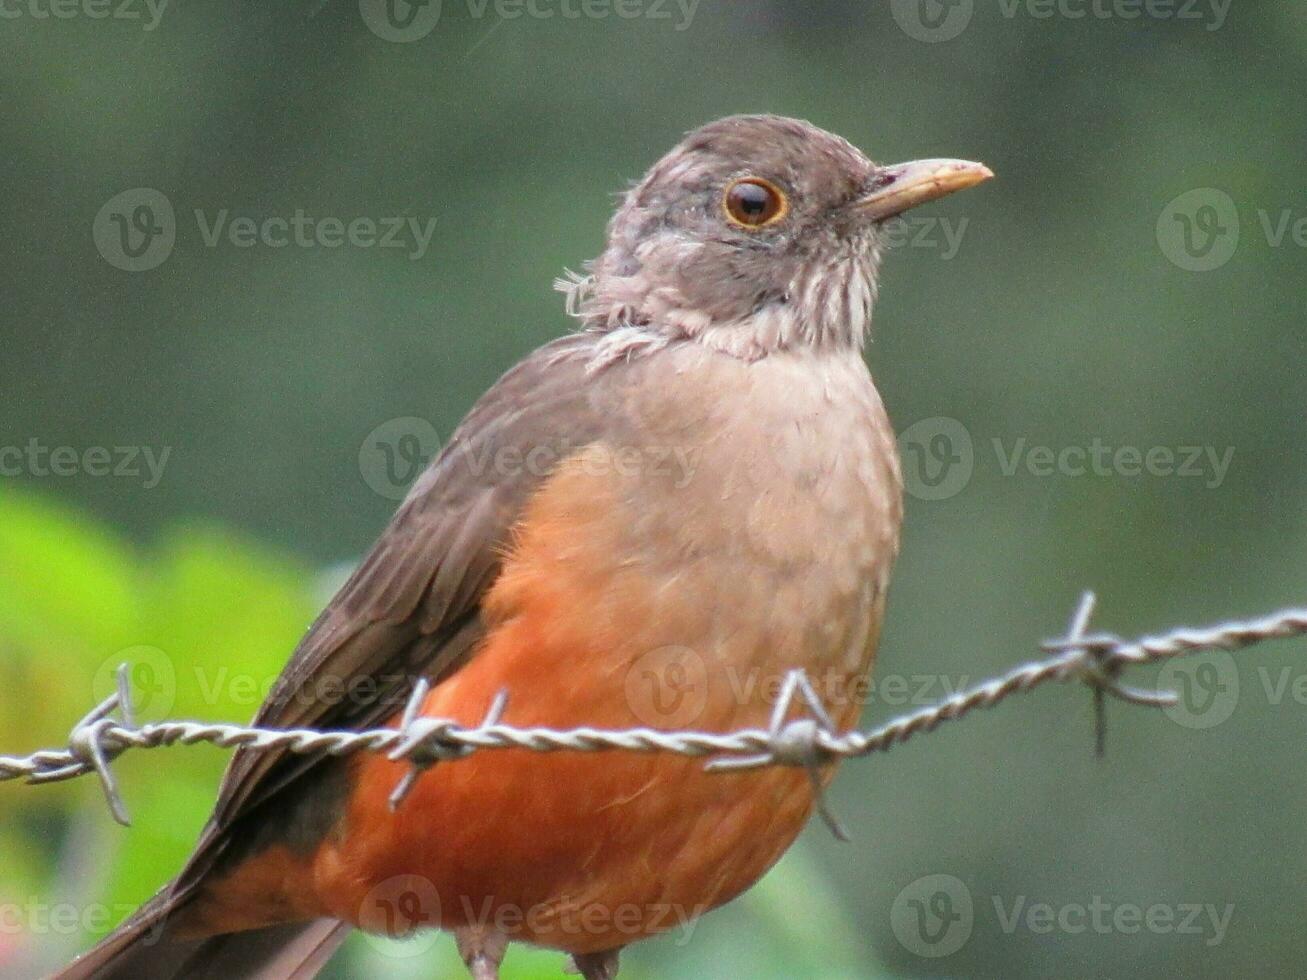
[753, 203]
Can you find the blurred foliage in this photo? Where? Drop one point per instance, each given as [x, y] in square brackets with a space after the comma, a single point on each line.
[76, 600]
[1059, 320]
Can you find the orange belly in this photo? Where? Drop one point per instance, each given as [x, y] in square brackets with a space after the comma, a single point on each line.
[587, 624]
[577, 852]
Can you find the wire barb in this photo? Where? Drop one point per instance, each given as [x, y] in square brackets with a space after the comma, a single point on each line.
[426, 741]
[811, 742]
[1100, 671]
[91, 749]
[795, 743]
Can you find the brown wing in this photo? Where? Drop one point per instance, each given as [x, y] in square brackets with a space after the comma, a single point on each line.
[412, 607]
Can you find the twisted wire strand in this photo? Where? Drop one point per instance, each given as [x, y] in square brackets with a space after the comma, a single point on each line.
[810, 740]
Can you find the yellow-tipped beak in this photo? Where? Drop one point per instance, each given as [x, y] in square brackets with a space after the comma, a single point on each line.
[905, 185]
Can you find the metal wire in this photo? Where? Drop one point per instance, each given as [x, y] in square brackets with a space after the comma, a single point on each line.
[809, 741]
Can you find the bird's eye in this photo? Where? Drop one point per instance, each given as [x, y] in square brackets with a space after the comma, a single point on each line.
[752, 202]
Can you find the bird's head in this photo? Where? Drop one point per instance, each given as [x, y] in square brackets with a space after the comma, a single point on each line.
[756, 233]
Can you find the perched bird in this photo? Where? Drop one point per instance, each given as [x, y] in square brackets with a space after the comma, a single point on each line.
[648, 522]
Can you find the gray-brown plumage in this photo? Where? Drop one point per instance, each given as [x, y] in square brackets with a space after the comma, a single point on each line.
[725, 319]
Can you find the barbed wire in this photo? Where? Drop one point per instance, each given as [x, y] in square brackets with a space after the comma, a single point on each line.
[809, 741]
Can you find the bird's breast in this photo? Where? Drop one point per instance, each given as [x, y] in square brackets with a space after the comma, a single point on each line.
[782, 524]
[738, 521]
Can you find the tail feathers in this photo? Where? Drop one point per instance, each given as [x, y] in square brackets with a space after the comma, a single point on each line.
[142, 949]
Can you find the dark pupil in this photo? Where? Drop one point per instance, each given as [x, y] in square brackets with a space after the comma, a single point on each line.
[752, 200]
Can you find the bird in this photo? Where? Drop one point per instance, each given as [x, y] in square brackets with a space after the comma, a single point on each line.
[644, 523]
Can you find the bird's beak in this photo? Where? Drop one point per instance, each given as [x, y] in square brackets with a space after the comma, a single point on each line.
[895, 188]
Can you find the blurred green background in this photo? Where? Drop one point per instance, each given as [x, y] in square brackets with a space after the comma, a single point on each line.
[1133, 279]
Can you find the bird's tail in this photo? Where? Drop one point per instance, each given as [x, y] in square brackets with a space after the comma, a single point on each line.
[145, 947]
